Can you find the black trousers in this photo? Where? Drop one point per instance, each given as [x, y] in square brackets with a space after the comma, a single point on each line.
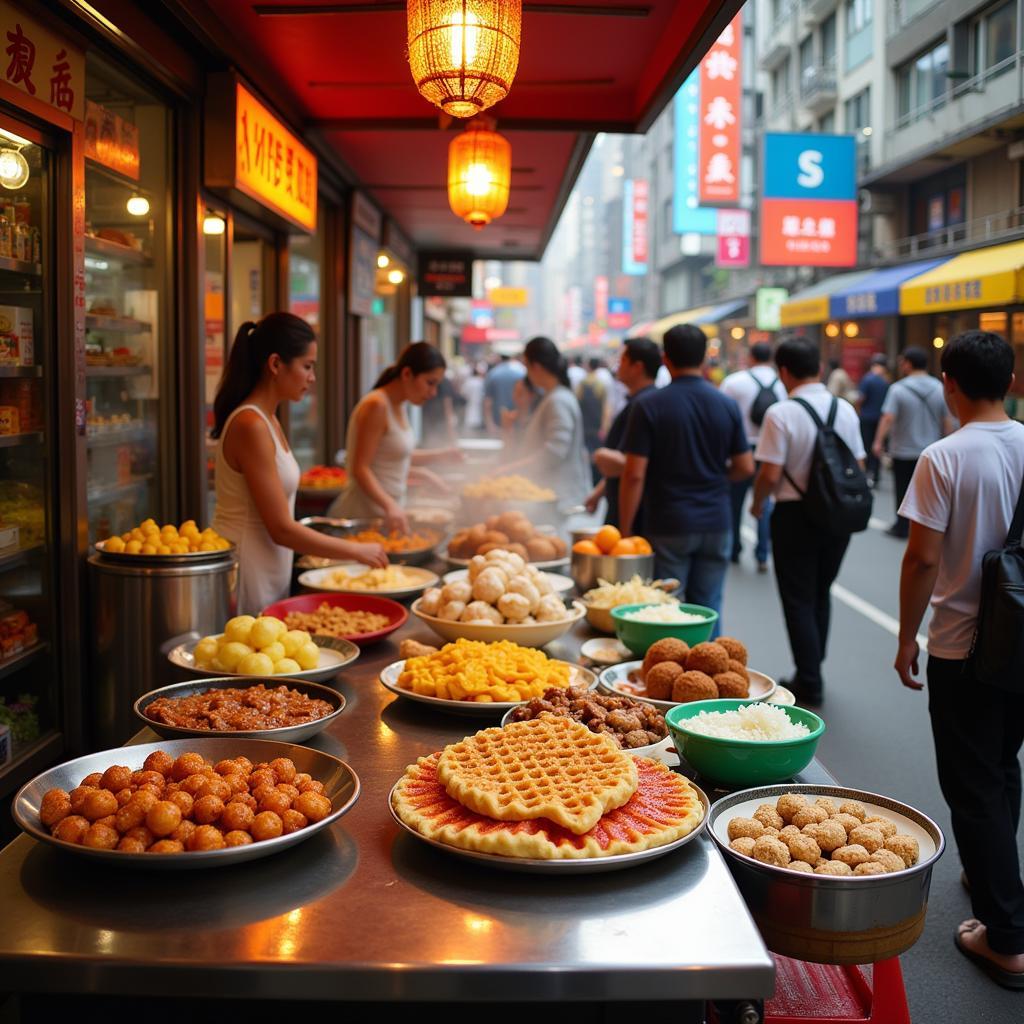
[868, 429]
[902, 471]
[806, 562]
[978, 732]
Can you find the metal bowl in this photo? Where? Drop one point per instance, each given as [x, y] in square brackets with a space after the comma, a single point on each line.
[833, 919]
[341, 787]
[192, 558]
[335, 654]
[588, 569]
[347, 527]
[285, 734]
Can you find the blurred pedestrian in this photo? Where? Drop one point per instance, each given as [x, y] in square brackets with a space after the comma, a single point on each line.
[498, 385]
[473, 393]
[438, 417]
[576, 373]
[839, 382]
[914, 415]
[755, 390]
[871, 394]
[960, 504]
[592, 394]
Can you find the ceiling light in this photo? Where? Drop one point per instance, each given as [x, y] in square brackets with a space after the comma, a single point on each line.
[464, 54]
[850, 329]
[832, 330]
[213, 224]
[383, 260]
[138, 206]
[938, 342]
[737, 333]
[13, 169]
[479, 172]
[396, 276]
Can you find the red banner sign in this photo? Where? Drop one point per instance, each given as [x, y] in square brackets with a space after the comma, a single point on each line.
[640, 233]
[721, 100]
[733, 238]
[809, 232]
[600, 299]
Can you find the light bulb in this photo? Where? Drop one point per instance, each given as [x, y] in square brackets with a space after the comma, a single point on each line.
[138, 206]
[13, 169]
[213, 225]
[383, 260]
[478, 179]
[851, 329]
[396, 276]
[938, 342]
[464, 39]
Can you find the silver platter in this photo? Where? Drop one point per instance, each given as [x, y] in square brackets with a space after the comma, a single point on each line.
[587, 866]
[284, 734]
[341, 787]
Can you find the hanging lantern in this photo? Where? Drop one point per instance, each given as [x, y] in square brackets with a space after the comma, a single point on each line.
[463, 54]
[479, 171]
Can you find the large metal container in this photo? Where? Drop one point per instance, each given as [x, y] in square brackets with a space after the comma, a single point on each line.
[588, 569]
[136, 609]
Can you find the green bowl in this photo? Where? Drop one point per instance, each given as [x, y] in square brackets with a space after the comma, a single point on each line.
[638, 636]
[743, 762]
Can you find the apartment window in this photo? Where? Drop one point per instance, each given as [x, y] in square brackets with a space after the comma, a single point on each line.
[858, 15]
[828, 40]
[859, 32]
[995, 38]
[827, 123]
[857, 112]
[806, 54]
[781, 92]
[921, 83]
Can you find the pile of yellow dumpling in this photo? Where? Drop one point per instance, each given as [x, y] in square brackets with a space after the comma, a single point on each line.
[149, 538]
[258, 647]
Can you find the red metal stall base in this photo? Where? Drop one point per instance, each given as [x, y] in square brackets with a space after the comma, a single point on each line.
[837, 995]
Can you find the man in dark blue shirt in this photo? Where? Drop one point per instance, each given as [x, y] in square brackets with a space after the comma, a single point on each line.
[684, 444]
[873, 387]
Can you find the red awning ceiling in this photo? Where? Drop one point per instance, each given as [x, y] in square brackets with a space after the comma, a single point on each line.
[584, 68]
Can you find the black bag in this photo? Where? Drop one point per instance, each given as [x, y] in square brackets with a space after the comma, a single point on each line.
[763, 400]
[838, 499]
[997, 651]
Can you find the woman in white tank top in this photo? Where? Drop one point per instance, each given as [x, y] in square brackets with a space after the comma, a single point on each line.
[381, 453]
[256, 473]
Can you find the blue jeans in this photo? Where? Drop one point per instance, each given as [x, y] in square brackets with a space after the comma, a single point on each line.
[738, 493]
[699, 561]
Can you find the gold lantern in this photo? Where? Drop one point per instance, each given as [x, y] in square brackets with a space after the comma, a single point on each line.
[479, 171]
[463, 54]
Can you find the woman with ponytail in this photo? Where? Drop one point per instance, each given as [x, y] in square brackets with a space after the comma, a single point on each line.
[381, 454]
[556, 455]
[271, 362]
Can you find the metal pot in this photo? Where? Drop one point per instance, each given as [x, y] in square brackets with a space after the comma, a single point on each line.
[587, 569]
[347, 527]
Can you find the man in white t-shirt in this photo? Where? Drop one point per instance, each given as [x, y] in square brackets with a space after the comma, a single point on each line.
[960, 504]
[806, 558]
[760, 383]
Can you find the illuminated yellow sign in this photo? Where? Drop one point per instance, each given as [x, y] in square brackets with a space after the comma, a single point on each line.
[271, 165]
[509, 297]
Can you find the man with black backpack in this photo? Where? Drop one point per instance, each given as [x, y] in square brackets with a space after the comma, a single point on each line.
[754, 390]
[811, 458]
[965, 505]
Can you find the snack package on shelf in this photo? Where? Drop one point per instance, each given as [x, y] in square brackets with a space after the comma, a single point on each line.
[17, 632]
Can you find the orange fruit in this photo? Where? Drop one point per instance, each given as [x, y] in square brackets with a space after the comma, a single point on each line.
[606, 538]
[641, 545]
[586, 547]
[624, 547]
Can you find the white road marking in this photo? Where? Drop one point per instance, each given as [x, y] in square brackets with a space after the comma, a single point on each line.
[855, 602]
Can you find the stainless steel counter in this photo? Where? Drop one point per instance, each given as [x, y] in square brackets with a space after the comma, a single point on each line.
[363, 912]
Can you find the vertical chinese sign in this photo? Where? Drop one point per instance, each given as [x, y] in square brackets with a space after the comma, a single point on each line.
[601, 300]
[634, 228]
[721, 99]
[733, 238]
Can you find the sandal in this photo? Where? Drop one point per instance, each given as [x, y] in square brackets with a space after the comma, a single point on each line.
[1000, 975]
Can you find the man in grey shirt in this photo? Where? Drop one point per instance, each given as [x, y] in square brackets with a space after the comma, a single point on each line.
[914, 415]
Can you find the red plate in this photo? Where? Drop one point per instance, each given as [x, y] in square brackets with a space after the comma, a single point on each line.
[396, 613]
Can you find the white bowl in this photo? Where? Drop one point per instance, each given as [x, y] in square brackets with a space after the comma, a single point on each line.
[535, 634]
[321, 580]
[559, 584]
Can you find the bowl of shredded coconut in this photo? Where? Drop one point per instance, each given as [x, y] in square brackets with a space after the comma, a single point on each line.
[744, 743]
[640, 625]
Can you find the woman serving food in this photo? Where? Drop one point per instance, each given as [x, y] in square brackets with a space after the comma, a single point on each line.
[271, 362]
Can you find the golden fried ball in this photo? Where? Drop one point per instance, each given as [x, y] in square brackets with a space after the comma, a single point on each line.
[276, 801]
[829, 804]
[77, 797]
[666, 649]
[880, 824]
[110, 821]
[116, 777]
[854, 807]
[889, 860]
[832, 867]
[98, 804]
[237, 783]
[803, 848]
[183, 801]
[866, 836]
[193, 784]
[293, 820]
[92, 780]
[237, 838]
[262, 777]
[852, 855]
[709, 658]
[237, 817]
[904, 846]
[313, 786]
[736, 649]
[226, 767]
[284, 768]
[789, 830]
[788, 804]
[848, 821]
[54, 807]
[730, 684]
[771, 830]
[131, 845]
[800, 865]
[739, 668]
[158, 761]
[244, 765]
[148, 778]
[809, 815]
[72, 828]
[661, 678]
[829, 835]
[183, 833]
[100, 837]
[166, 846]
[693, 685]
[163, 818]
[207, 809]
[206, 837]
[144, 798]
[266, 825]
[287, 788]
[768, 816]
[740, 828]
[744, 845]
[124, 795]
[314, 806]
[215, 787]
[770, 850]
[869, 867]
[187, 764]
[141, 833]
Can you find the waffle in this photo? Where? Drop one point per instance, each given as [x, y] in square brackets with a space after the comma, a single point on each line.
[548, 767]
[664, 808]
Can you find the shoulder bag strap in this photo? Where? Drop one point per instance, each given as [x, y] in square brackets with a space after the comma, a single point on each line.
[1017, 526]
[927, 405]
[821, 426]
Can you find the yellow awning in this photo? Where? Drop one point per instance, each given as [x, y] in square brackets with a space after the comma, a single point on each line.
[812, 305]
[985, 277]
[657, 330]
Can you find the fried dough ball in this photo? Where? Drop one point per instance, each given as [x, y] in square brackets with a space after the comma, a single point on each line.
[693, 685]
[889, 860]
[100, 837]
[832, 867]
[184, 832]
[736, 650]
[866, 836]
[800, 865]
[789, 830]
[206, 810]
[666, 649]
[869, 867]
[159, 761]
[516, 606]
[163, 818]
[810, 814]
[275, 801]
[452, 611]
[148, 778]
[708, 658]
[828, 803]
[739, 668]
[237, 838]
[77, 797]
[54, 807]
[540, 549]
[457, 590]
[245, 798]
[110, 821]
[744, 845]
[852, 855]
[166, 846]
[770, 850]
[144, 798]
[124, 795]
[130, 816]
[788, 804]
[183, 801]
[141, 833]
[880, 824]
[262, 777]
[768, 816]
[771, 830]
[742, 828]
[803, 848]
[98, 804]
[430, 602]
[266, 825]
[293, 820]
[206, 837]
[72, 828]
[829, 835]
[131, 845]
[92, 780]
[848, 821]
[730, 684]
[550, 608]
[116, 777]
[237, 817]
[854, 807]
[187, 764]
[903, 846]
[286, 787]
[661, 679]
[215, 787]
[314, 806]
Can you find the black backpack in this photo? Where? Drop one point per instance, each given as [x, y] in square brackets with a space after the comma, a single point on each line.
[763, 400]
[838, 499]
[997, 651]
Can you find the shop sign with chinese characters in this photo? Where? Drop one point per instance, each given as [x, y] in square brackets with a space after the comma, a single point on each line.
[448, 274]
[40, 63]
[601, 299]
[768, 304]
[620, 313]
[721, 99]
[733, 238]
[809, 206]
[688, 216]
[111, 141]
[634, 227]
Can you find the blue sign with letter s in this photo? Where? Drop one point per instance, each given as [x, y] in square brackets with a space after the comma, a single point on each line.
[810, 165]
